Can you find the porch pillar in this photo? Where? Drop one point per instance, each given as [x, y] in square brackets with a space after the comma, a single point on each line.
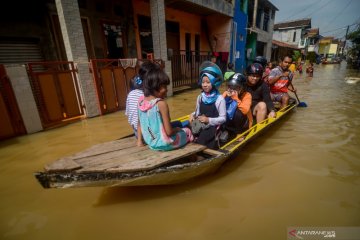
[20, 82]
[74, 41]
[158, 29]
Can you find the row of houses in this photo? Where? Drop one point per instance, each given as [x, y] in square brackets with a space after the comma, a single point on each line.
[62, 60]
[299, 35]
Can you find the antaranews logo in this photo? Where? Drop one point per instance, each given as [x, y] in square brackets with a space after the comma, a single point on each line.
[311, 233]
[293, 234]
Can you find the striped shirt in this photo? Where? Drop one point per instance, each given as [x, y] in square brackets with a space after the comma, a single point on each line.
[132, 107]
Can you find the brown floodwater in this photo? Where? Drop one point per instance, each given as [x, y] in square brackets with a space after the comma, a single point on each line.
[303, 172]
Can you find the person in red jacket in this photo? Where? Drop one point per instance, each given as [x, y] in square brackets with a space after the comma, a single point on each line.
[280, 82]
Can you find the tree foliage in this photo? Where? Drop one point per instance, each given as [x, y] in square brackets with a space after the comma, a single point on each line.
[296, 56]
[311, 56]
[354, 50]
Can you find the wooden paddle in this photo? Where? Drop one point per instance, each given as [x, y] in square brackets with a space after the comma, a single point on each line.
[300, 104]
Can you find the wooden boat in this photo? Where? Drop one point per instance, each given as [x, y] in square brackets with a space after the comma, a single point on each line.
[122, 163]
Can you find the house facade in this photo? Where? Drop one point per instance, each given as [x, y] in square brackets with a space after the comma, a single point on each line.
[328, 47]
[92, 47]
[261, 16]
[312, 37]
[294, 33]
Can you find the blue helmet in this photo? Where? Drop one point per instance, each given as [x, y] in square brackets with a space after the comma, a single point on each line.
[213, 72]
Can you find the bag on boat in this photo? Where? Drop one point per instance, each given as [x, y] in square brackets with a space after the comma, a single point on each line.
[224, 136]
[231, 106]
[197, 126]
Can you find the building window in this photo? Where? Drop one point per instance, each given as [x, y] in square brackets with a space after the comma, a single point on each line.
[258, 17]
[266, 20]
[294, 37]
[188, 46]
[197, 47]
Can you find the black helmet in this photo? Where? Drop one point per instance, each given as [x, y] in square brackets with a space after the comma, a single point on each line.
[254, 68]
[262, 60]
[237, 80]
[213, 72]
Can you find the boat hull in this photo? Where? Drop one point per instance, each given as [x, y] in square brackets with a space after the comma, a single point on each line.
[193, 161]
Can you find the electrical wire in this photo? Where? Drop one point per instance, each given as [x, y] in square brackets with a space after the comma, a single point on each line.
[340, 28]
[320, 8]
[338, 14]
[301, 10]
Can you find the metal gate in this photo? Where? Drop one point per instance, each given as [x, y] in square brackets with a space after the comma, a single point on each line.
[11, 123]
[56, 92]
[112, 83]
[112, 78]
[185, 67]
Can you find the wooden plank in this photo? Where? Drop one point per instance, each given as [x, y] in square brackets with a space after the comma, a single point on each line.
[212, 152]
[108, 157]
[141, 160]
[64, 164]
[69, 162]
[106, 147]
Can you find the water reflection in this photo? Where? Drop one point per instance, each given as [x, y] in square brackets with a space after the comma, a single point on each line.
[305, 171]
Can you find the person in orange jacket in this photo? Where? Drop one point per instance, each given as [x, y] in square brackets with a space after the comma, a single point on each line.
[238, 103]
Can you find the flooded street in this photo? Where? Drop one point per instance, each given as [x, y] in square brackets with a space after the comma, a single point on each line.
[303, 172]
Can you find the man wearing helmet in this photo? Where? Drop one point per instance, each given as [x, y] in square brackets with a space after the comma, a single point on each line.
[262, 105]
[280, 82]
[264, 63]
[238, 104]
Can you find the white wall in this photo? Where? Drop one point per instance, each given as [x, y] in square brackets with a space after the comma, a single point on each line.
[288, 36]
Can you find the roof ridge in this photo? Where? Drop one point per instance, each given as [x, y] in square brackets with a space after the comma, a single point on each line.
[302, 19]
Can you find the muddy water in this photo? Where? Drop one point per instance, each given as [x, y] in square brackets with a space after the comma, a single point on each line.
[303, 172]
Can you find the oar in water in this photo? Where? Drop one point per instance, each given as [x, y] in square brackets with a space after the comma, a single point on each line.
[300, 104]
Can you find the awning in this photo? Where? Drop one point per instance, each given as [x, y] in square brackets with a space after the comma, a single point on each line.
[284, 45]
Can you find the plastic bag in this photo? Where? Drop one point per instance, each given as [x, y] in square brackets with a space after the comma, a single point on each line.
[231, 106]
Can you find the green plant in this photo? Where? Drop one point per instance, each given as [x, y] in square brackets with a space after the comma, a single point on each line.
[296, 56]
[311, 56]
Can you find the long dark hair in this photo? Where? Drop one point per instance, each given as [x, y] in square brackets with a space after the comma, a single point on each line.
[154, 80]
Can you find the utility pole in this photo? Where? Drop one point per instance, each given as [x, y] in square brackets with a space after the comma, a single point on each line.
[346, 35]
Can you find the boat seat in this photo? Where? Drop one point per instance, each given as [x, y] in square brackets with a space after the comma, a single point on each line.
[121, 156]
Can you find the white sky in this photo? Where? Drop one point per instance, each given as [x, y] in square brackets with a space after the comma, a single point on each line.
[331, 16]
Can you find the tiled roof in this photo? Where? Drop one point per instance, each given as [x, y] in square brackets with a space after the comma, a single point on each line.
[312, 32]
[282, 44]
[326, 40]
[293, 24]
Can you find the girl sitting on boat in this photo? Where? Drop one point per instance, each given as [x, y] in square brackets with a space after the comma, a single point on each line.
[154, 117]
[210, 109]
[238, 105]
[136, 85]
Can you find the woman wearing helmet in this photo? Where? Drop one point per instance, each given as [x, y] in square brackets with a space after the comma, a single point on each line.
[262, 105]
[210, 105]
[238, 103]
